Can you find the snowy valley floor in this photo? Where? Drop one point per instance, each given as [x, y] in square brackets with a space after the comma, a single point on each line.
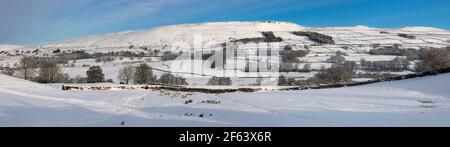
[414, 102]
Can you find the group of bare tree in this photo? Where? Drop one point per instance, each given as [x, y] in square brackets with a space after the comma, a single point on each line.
[433, 59]
[291, 56]
[430, 59]
[395, 50]
[337, 58]
[51, 72]
[126, 74]
[398, 64]
[143, 74]
[26, 67]
[340, 72]
[48, 70]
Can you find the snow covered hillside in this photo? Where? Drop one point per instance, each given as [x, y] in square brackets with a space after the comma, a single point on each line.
[357, 37]
[413, 102]
[149, 46]
[167, 35]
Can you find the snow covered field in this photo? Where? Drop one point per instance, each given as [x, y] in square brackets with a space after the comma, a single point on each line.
[414, 102]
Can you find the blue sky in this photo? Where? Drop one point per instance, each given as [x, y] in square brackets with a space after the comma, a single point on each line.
[38, 21]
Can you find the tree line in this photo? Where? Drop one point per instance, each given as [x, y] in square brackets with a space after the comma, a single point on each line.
[316, 37]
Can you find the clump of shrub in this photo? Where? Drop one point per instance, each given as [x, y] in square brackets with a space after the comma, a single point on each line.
[284, 81]
[189, 101]
[267, 37]
[105, 59]
[374, 75]
[95, 75]
[109, 80]
[336, 74]
[248, 40]
[270, 37]
[219, 81]
[211, 102]
[79, 79]
[395, 50]
[170, 79]
[170, 56]
[409, 36]
[316, 37]
[375, 45]
[291, 56]
[294, 67]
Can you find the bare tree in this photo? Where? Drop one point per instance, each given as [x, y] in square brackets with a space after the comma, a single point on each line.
[337, 58]
[336, 74]
[433, 59]
[143, 74]
[126, 74]
[50, 72]
[26, 67]
[350, 67]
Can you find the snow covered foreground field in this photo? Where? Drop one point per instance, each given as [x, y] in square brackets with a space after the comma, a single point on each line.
[415, 102]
